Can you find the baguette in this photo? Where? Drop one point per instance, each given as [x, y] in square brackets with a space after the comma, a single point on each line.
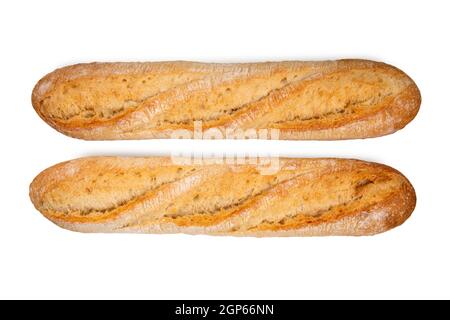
[305, 197]
[328, 100]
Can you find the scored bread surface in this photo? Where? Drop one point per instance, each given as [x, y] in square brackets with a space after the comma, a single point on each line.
[327, 100]
[305, 197]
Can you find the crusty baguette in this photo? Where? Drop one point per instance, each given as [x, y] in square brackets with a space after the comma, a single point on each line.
[328, 100]
[305, 197]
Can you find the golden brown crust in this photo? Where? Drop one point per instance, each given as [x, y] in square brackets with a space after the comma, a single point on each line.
[305, 197]
[327, 100]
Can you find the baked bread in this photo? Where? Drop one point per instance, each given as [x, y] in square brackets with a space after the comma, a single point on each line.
[304, 197]
[328, 100]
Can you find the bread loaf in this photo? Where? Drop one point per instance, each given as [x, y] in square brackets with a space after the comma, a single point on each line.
[304, 197]
[328, 100]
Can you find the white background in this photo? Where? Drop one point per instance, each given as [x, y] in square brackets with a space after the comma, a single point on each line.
[40, 260]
